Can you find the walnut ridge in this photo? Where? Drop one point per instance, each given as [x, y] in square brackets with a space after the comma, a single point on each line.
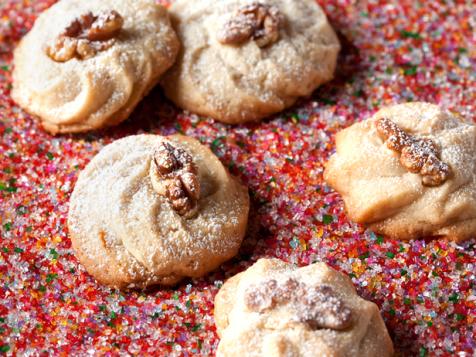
[319, 306]
[417, 155]
[176, 178]
[255, 21]
[86, 36]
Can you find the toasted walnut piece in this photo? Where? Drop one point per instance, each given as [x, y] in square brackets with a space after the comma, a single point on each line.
[318, 307]
[175, 176]
[263, 297]
[63, 49]
[256, 21]
[105, 27]
[417, 155]
[86, 36]
[322, 308]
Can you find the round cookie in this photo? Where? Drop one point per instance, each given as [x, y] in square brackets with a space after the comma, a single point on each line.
[86, 64]
[276, 309]
[152, 210]
[244, 60]
[408, 172]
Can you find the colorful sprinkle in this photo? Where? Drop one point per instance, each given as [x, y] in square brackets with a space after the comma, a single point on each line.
[392, 52]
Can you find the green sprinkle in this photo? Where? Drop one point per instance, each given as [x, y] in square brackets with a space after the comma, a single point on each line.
[50, 156]
[459, 317]
[113, 315]
[403, 272]
[102, 307]
[18, 250]
[2, 329]
[423, 352]
[7, 226]
[54, 253]
[358, 93]
[196, 327]
[5, 250]
[328, 101]
[434, 273]
[402, 248]
[2, 319]
[216, 143]
[410, 34]
[156, 315]
[453, 297]
[392, 312]
[429, 323]
[410, 71]
[4, 68]
[462, 50]
[42, 288]
[390, 255]
[327, 219]
[4, 348]
[29, 228]
[188, 304]
[407, 301]
[379, 239]
[175, 297]
[200, 343]
[50, 277]
[364, 256]
[11, 189]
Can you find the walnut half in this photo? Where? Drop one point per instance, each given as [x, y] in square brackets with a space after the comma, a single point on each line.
[175, 176]
[417, 155]
[319, 307]
[258, 21]
[86, 36]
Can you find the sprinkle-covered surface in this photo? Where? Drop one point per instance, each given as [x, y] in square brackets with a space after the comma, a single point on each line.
[392, 52]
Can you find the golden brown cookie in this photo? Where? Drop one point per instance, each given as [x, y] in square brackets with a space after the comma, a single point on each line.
[276, 309]
[86, 64]
[151, 210]
[244, 60]
[408, 172]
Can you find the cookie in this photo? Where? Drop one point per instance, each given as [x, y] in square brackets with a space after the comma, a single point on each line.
[86, 64]
[277, 309]
[152, 210]
[408, 172]
[244, 60]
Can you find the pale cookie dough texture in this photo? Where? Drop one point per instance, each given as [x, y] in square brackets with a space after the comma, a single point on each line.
[128, 236]
[275, 309]
[236, 83]
[85, 94]
[381, 193]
